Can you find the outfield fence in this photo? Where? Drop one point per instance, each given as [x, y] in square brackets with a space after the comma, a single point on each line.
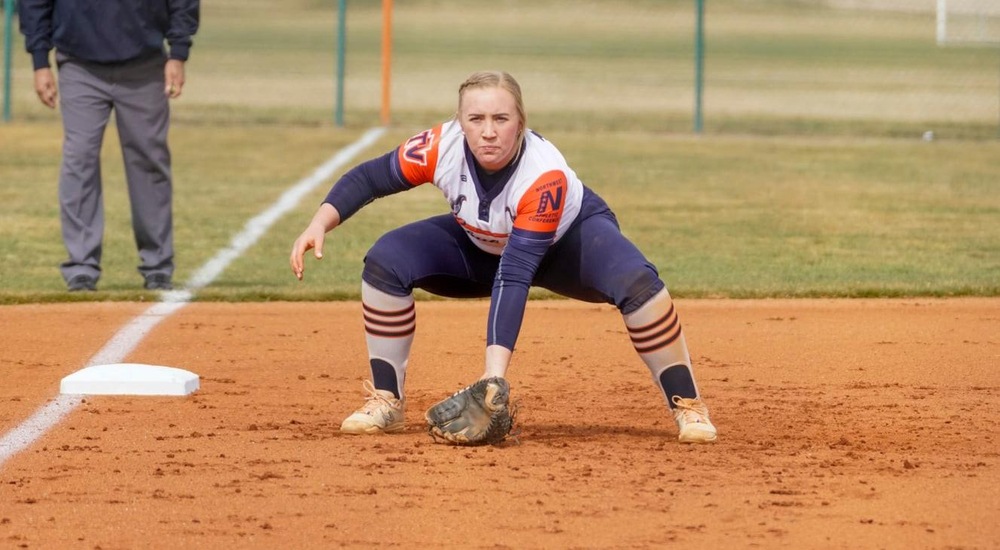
[800, 67]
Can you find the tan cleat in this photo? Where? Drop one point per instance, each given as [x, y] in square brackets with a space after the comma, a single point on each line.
[381, 413]
[692, 420]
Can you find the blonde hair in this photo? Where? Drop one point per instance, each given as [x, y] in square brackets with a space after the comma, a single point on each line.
[497, 79]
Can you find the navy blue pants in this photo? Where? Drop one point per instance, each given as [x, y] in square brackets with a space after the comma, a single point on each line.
[593, 262]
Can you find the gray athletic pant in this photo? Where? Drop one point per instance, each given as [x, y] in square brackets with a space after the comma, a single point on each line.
[88, 93]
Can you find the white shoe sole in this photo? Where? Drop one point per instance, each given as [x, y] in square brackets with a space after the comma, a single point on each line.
[697, 436]
[369, 429]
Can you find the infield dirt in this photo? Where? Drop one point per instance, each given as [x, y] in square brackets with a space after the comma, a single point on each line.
[842, 424]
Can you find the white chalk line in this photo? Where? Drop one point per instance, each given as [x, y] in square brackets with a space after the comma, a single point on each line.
[128, 337]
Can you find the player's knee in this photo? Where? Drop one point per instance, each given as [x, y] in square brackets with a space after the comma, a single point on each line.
[638, 287]
[384, 270]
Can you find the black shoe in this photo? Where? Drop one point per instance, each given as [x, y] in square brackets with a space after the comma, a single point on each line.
[81, 282]
[158, 281]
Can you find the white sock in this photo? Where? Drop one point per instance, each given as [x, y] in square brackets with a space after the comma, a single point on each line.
[390, 323]
[657, 337]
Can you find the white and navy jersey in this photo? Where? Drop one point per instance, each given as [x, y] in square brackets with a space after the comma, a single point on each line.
[516, 214]
[542, 195]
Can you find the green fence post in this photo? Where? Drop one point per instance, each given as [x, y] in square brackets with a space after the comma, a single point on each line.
[341, 42]
[8, 17]
[699, 61]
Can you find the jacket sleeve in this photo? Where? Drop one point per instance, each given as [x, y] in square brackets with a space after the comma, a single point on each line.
[184, 17]
[35, 17]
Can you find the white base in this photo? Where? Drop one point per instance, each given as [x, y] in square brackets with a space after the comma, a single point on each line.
[129, 379]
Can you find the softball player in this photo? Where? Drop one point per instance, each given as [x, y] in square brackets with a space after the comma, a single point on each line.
[519, 217]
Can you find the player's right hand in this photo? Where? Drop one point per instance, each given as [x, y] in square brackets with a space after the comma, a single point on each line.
[312, 238]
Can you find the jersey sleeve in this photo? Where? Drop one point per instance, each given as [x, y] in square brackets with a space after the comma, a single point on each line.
[418, 156]
[370, 180]
[541, 207]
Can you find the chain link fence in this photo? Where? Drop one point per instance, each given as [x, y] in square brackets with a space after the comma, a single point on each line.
[771, 67]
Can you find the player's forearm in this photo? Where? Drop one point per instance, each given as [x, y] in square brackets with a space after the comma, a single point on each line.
[326, 217]
[518, 266]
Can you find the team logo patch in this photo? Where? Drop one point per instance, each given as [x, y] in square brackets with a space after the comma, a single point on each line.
[456, 206]
[416, 148]
[550, 201]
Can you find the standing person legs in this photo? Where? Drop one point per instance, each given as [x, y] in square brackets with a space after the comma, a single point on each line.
[594, 262]
[86, 108]
[142, 113]
[435, 255]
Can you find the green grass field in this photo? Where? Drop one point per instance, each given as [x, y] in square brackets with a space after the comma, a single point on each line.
[809, 179]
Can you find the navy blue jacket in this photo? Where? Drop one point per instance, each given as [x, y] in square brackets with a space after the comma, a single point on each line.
[107, 31]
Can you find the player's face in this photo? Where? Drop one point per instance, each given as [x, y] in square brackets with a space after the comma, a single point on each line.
[491, 124]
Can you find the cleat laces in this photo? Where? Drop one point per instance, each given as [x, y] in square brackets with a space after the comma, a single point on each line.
[377, 403]
[690, 411]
